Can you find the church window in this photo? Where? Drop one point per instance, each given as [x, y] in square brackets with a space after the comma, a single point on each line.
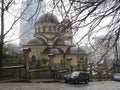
[39, 29]
[59, 29]
[50, 29]
[44, 29]
[54, 29]
[35, 29]
[86, 60]
[81, 58]
[33, 58]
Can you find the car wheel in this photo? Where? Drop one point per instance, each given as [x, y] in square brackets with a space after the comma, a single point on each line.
[66, 81]
[76, 81]
[86, 82]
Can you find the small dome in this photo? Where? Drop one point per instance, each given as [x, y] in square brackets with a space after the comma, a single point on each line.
[36, 41]
[46, 18]
[53, 51]
[75, 50]
[59, 42]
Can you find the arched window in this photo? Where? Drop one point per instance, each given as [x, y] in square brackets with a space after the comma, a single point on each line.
[54, 29]
[39, 29]
[86, 61]
[44, 29]
[33, 58]
[36, 29]
[81, 58]
[50, 29]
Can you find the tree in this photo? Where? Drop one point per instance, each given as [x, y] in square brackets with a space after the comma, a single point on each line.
[12, 9]
[95, 17]
[7, 7]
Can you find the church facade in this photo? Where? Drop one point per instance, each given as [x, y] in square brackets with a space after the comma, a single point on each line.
[53, 39]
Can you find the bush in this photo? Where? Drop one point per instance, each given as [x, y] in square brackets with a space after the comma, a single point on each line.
[43, 65]
[44, 59]
[10, 61]
[75, 68]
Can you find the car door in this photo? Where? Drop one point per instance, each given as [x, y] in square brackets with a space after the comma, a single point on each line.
[81, 77]
[84, 76]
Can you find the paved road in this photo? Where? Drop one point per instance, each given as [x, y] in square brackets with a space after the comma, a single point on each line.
[103, 85]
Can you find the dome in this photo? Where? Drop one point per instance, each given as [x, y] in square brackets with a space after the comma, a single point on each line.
[59, 42]
[53, 51]
[75, 50]
[36, 41]
[46, 18]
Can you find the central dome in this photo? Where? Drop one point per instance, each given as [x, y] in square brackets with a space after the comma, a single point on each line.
[47, 18]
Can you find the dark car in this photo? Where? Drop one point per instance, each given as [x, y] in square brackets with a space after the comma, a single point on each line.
[116, 77]
[77, 76]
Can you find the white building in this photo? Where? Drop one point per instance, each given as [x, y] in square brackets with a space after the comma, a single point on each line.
[31, 9]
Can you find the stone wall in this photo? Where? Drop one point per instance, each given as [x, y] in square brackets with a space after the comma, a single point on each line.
[9, 74]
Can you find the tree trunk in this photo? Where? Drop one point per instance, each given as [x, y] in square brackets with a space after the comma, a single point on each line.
[2, 33]
[1, 54]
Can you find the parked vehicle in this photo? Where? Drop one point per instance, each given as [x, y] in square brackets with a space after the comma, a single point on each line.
[77, 76]
[117, 77]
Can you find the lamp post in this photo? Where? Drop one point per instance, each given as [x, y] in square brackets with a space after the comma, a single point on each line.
[26, 56]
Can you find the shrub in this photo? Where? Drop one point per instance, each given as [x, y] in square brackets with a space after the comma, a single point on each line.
[44, 59]
[10, 61]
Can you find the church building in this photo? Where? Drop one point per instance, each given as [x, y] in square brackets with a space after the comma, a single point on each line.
[53, 39]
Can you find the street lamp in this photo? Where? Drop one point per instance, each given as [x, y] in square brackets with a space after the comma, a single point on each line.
[26, 53]
[26, 56]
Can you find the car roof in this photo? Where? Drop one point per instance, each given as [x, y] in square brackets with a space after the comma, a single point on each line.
[81, 71]
[117, 73]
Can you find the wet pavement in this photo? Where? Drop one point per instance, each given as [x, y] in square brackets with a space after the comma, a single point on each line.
[102, 85]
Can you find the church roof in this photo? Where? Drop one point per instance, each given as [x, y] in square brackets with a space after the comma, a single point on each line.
[53, 51]
[59, 42]
[46, 18]
[76, 50]
[36, 41]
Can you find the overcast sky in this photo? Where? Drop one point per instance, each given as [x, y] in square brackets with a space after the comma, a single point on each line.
[15, 33]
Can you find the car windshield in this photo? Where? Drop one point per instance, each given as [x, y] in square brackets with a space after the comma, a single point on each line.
[75, 73]
[118, 74]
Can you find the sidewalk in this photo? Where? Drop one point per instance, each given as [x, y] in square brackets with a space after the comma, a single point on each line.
[45, 80]
[42, 80]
